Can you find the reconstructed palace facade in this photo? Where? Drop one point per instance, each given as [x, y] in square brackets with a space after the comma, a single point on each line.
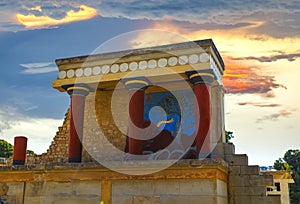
[144, 126]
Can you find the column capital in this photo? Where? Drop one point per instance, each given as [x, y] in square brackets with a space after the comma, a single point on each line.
[77, 89]
[205, 76]
[136, 83]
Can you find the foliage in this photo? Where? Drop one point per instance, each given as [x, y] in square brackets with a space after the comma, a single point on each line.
[228, 135]
[280, 164]
[6, 149]
[30, 152]
[291, 161]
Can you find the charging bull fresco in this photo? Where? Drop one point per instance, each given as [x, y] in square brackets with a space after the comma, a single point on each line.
[170, 120]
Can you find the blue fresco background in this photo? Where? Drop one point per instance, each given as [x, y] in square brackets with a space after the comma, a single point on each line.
[166, 106]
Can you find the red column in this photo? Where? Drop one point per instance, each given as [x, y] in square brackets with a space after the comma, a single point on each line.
[201, 81]
[136, 94]
[202, 95]
[20, 148]
[78, 94]
[136, 122]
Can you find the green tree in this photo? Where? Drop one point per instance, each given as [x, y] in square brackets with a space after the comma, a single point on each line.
[280, 164]
[6, 149]
[291, 161]
[30, 152]
[228, 135]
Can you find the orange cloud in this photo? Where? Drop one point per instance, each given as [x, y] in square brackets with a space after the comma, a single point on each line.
[32, 21]
[242, 78]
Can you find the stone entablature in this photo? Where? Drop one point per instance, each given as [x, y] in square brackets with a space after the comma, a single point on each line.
[114, 66]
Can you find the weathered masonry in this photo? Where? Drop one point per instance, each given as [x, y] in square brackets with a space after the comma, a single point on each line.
[144, 126]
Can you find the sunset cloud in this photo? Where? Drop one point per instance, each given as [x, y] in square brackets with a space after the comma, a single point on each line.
[272, 58]
[276, 116]
[259, 104]
[240, 78]
[36, 8]
[277, 19]
[33, 21]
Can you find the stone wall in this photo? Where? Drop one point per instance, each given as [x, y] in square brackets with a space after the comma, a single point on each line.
[170, 191]
[246, 184]
[104, 131]
[185, 182]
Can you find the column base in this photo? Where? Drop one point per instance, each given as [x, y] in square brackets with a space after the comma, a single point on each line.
[74, 160]
[18, 162]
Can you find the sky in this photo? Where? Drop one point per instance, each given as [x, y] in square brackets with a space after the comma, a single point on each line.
[259, 42]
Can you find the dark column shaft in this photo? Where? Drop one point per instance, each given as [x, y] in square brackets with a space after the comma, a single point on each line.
[20, 148]
[136, 91]
[202, 96]
[201, 81]
[78, 95]
[136, 121]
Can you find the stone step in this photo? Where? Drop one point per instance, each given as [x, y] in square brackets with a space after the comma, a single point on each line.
[229, 148]
[250, 170]
[237, 159]
[250, 180]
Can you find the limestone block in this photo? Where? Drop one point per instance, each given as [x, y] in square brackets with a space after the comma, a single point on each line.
[122, 200]
[15, 192]
[222, 200]
[124, 188]
[35, 189]
[272, 200]
[64, 200]
[167, 187]
[230, 199]
[260, 180]
[237, 159]
[56, 192]
[3, 189]
[238, 180]
[189, 200]
[249, 190]
[222, 189]
[250, 170]
[198, 187]
[235, 170]
[218, 151]
[265, 199]
[242, 200]
[229, 148]
[146, 200]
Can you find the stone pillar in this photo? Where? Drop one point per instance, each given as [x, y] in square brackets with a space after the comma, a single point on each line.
[136, 91]
[77, 94]
[201, 81]
[20, 148]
